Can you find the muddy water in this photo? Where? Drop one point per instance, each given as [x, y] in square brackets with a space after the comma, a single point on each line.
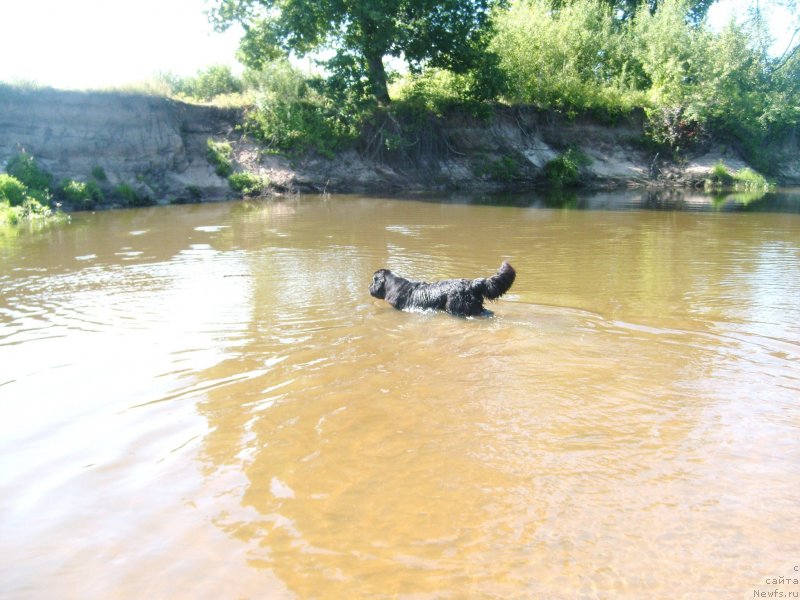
[205, 402]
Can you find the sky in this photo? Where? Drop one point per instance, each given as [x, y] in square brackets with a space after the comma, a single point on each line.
[79, 44]
[107, 43]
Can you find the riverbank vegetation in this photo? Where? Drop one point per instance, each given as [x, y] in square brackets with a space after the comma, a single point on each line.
[385, 81]
[29, 193]
[604, 58]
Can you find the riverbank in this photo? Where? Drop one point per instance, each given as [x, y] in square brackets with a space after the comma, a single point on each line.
[158, 148]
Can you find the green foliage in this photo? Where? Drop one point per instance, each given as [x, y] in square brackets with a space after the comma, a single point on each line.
[81, 195]
[564, 170]
[673, 129]
[581, 57]
[300, 125]
[132, 197]
[505, 168]
[439, 91]
[99, 174]
[720, 175]
[25, 169]
[575, 59]
[209, 83]
[12, 190]
[20, 199]
[220, 154]
[248, 184]
[449, 34]
[746, 179]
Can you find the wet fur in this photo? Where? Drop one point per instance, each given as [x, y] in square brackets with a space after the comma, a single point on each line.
[462, 297]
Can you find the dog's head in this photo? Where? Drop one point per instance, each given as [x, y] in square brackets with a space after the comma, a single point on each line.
[378, 286]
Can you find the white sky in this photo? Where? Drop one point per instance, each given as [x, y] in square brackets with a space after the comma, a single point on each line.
[106, 43]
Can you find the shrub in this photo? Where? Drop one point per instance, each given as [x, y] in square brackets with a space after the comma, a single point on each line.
[564, 170]
[720, 176]
[744, 179]
[299, 126]
[81, 195]
[672, 128]
[9, 215]
[574, 59]
[505, 168]
[12, 190]
[751, 180]
[248, 184]
[24, 168]
[208, 83]
[131, 197]
[99, 173]
[219, 155]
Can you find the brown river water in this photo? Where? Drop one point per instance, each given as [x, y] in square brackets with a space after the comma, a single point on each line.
[205, 402]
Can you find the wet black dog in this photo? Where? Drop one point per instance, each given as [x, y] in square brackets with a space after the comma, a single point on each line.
[462, 297]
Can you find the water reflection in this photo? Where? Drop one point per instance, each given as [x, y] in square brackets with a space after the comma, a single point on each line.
[228, 410]
[669, 199]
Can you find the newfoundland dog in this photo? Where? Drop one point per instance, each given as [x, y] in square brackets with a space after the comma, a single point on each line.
[462, 297]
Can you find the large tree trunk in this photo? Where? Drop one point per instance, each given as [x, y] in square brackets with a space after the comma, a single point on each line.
[377, 79]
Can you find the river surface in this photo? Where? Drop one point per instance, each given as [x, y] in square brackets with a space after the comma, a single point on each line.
[205, 402]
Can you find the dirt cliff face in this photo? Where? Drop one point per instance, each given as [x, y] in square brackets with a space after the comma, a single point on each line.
[156, 145]
[159, 147]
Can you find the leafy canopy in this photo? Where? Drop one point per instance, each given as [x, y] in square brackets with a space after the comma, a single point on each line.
[450, 34]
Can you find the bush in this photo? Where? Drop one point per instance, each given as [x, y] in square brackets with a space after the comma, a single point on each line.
[248, 184]
[214, 81]
[574, 59]
[564, 170]
[294, 114]
[745, 179]
[12, 190]
[749, 179]
[24, 168]
[219, 155]
[673, 129]
[299, 126]
[81, 195]
[99, 173]
[505, 168]
[131, 197]
[720, 175]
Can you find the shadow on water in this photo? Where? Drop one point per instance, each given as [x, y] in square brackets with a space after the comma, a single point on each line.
[678, 199]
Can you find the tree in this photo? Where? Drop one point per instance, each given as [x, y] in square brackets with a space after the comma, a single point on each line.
[450, 34]
[625, 10]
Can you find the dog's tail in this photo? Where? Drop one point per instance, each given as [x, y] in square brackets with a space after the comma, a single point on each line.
[498, 284]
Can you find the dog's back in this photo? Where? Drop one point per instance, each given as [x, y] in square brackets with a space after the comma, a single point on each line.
[463, 297]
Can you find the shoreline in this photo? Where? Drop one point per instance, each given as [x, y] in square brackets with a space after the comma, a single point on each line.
[158, 148]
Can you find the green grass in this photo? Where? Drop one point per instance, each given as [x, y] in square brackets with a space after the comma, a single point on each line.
[564, 170]
[248, 184]
[746, 179]
[220, 156]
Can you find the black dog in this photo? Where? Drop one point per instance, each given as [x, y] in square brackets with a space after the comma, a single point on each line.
[462, 297]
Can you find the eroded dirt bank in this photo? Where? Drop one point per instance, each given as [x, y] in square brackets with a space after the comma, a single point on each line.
[159, 146]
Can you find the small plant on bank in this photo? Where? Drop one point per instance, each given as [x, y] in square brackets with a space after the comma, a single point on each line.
[751, 180]
[99, 174]
[131, 197]
[12, 190]
[24, 167]
[564, 170]
[247, 184]
[219, 155]
[721, 176]
[82, 196]
[19, 201]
